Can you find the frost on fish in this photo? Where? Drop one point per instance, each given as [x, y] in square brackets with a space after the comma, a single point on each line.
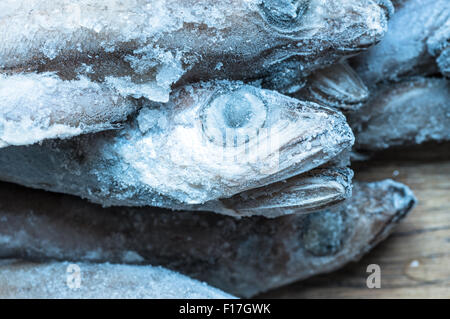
[31, 280]
[404, 50]
[443, 62]
[410, 112]
[337, 86]
[439, 47]
[213, 140]
[141, 47]
[34, 107]
[241, 256]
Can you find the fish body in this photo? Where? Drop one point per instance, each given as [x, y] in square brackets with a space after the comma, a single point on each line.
[416, 30]
[212, 141]
[411, 112]
[63, 280]
[35, 107]
[141, 48]
[241, 256]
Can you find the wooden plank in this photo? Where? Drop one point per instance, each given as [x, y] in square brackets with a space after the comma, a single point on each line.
[415, 259]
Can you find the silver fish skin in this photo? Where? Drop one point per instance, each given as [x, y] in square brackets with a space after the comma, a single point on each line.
[34, 107]
[306, 193]
[337, 86]
[31, 280]
[213, 140]
[241, 256]
[405, 113]
[405, 50]
[143, 47]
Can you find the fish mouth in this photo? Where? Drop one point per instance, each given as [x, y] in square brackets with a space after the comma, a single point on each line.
[404, 202]
[338, 85]
[369, 30]
[269, 137]
[307, 192]
[314, 137]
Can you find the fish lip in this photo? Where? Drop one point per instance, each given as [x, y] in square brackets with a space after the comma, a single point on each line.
[374, 28]
[326, 86]
[335, 147]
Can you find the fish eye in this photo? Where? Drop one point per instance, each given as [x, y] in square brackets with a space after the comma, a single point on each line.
[234, 117]
[324, 233]
[284, 15]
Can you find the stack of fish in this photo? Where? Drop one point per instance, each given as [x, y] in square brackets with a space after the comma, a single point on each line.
[160, 117]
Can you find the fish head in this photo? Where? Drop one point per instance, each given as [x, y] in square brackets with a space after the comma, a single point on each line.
[321, 27]
[308, 34]
[220, 139]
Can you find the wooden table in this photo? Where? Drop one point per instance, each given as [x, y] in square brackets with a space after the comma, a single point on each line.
[415, 259]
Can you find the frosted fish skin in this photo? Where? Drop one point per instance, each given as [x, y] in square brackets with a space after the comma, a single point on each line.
[337, 86]
[143, 47]
[443, 62]
[405, 113]
[34, 107]
[301, 194]
[408, 47]
[174, 154]
[388, 6]
[31, 280]
[439, 47]
[242, 256]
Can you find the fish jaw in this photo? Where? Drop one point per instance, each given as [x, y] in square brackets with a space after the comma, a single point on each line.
[200, 159]
[337, 86]
[302, 194]
[368, 27]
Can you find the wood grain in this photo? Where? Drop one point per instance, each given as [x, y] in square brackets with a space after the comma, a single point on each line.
[415, 259]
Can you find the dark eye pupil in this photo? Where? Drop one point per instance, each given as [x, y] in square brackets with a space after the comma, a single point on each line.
[236, 115]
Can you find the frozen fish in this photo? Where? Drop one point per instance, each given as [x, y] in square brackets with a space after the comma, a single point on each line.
[28, 280]
[34, 107]
[439, 47]
[404, 113]
[242, 256]
[418, 32]
[213, 140]
[142, 47]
